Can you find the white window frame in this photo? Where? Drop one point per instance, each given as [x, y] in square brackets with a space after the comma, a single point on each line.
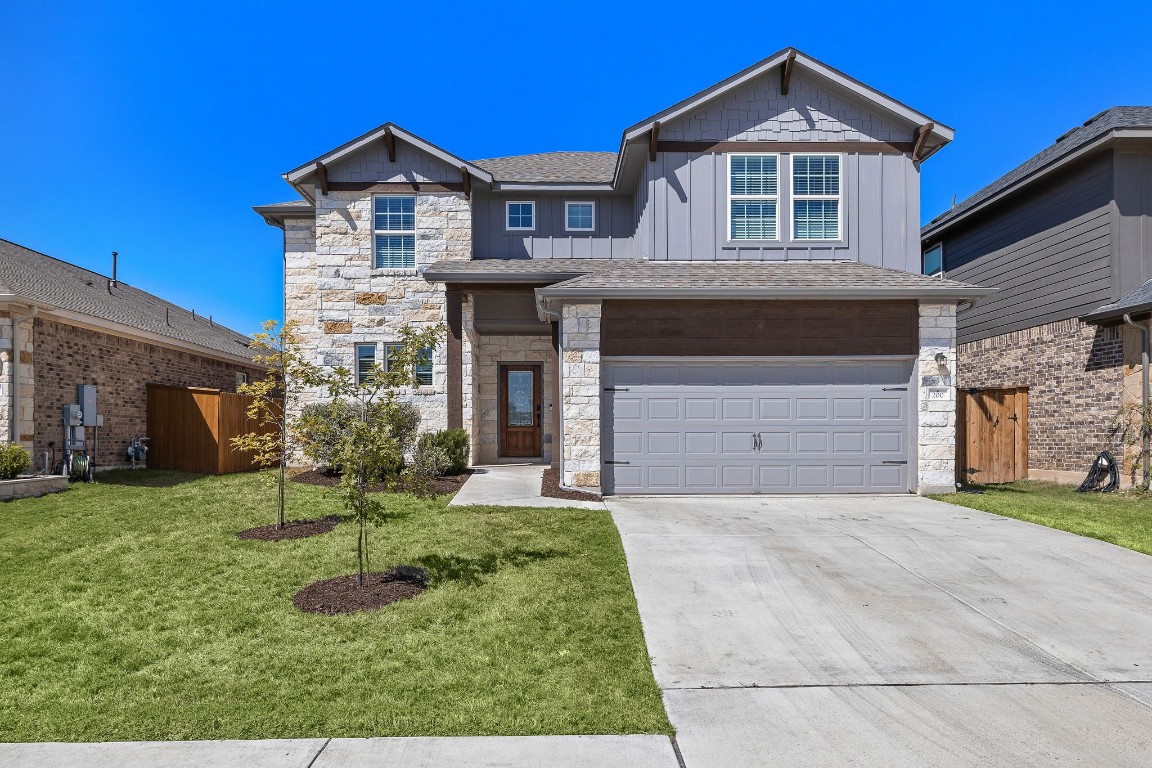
[387, 232]
[793, 198]
[356, 355]
[508, 212]
[925, 252]
[568, 204]
[730, 197]
[241, 379]
[431, 361]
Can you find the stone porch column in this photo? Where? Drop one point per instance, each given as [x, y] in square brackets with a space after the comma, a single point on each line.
[580, 394]
[936, 399]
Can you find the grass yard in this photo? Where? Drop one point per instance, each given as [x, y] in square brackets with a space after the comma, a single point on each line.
[129, 610]
[1120, 518]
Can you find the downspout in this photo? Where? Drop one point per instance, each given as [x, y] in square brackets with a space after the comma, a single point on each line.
[1145, 437]
[14, 412]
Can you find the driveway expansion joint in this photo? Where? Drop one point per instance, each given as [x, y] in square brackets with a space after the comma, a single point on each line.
[319, 752]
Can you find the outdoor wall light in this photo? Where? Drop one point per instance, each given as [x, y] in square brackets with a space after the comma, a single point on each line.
[941, 358]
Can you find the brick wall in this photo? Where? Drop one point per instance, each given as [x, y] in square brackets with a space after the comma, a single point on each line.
[65, 356]
[1074, 373]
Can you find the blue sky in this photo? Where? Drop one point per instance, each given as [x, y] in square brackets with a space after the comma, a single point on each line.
[151, 129]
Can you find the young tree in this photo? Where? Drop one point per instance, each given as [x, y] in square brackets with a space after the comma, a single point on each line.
[366, 450]
[274, 397]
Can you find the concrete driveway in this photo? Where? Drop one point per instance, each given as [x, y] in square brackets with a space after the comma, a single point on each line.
[889, 631]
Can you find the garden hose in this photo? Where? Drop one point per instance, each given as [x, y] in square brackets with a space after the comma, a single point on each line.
[1103, 469]
[79, 468]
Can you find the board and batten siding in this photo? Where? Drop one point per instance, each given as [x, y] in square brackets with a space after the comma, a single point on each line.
[683, 210]
[611, 239]
[371, 165]
[1133, 186]
[1047, 254]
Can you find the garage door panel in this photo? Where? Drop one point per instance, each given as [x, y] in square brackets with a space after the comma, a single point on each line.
[823, 426]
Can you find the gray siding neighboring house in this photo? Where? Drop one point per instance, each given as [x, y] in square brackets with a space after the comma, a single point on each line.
[755, 243]
[1059, 237]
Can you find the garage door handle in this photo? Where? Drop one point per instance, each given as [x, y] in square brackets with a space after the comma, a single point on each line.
[894, 462]
[617, 462]
[894, 389]
[616, 389]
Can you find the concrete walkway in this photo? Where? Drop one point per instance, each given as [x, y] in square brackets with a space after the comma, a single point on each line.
[512, 485]
[889, 632]
[477, 752]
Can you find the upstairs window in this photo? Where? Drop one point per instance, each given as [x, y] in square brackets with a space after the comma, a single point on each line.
[816, 197]
[394, 227]
[753, 197]
[365, 362]
[423, 363]
[932, 262]
[579, 217]
[521, 214]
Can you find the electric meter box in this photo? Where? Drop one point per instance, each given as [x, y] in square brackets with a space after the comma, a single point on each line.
[86, 396]
[73, 417]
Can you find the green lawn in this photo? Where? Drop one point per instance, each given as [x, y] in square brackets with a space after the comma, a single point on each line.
[130, 610]
[1120, 518]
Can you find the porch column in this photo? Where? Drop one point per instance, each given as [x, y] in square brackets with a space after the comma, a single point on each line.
[936, 399]
[453, 302]
[580, 392]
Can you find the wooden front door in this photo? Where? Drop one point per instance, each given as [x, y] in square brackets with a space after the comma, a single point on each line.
[992, 427]
[520, 407]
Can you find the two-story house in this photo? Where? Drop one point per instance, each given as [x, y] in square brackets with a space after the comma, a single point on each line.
[1066, 239]
[730, 303]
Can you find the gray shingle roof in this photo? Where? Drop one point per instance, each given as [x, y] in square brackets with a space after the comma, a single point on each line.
[34, 276]
[1100, 125]
[1138, 301]
[616, 277]
[553, 168]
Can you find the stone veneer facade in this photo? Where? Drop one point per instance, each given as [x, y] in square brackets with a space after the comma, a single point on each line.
[580, 394]
[936, 399]
[339, 299]
[1075, 376]
[16, 358]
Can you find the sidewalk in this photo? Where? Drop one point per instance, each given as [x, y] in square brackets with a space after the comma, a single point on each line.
[512, 485]
[421, 752]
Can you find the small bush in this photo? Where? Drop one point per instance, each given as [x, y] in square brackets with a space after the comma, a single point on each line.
[14, 461]
[454, 445]
[322, 426]
[428, 463]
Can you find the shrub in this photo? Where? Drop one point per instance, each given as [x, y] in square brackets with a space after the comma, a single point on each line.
[322, 426]
[428, 463]
[14, 460]
[453, 443]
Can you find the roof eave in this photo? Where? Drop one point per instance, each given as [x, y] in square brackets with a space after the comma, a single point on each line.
[1103, 317]
[436, 276]
[931, 231]
[274, 215]
[958, 293]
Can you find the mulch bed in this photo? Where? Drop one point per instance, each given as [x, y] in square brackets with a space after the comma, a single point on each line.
[295, 529]
[341, 595]
[440, 486]
[551, 487]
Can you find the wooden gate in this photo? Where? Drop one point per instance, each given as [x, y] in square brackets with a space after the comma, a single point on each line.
[992, 435]
[191, 430]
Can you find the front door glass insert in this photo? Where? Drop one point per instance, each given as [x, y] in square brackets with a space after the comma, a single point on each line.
[520, 392]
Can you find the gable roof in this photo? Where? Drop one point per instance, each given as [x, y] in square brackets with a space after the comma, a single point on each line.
[77, 293]
[300, 173]
[1083, 137]
[552, 168]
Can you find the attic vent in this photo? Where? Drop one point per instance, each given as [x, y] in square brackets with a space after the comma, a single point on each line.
[1068, 133]
[1095, 117]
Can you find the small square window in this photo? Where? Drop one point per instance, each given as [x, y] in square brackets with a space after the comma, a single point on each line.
[579, 217]
[241, 379]
[365, 362]
[521, 215]
[423, 363]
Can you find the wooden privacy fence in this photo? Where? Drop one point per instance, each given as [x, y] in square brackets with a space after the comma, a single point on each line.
[991, 435]
[191, 429]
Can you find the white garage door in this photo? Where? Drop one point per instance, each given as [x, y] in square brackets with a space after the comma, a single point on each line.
[683, 425]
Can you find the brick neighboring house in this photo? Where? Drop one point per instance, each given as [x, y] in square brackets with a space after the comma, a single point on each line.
[1061, 236]
[730, 303]
[62, 325]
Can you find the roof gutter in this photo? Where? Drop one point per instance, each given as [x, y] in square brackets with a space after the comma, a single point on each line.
[968, 293]
[436, 276]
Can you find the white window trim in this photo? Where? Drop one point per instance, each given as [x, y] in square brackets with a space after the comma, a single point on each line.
[375, 232]
[570, 203]
[508, 209]
[925, 252]
[356, 356]
[793, 197]
[431, 362]
[730, 197]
